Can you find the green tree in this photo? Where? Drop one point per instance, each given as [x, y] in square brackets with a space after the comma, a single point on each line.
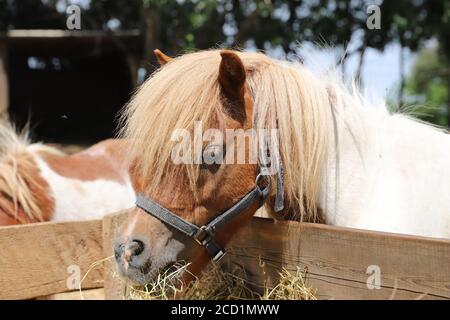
[427, 89]
[179, 25]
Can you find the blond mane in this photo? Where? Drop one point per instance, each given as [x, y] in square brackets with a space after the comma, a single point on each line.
[286, 96]
[16, 173]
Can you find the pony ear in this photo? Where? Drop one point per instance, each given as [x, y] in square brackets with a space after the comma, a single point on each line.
[232, 77]
[161, 57]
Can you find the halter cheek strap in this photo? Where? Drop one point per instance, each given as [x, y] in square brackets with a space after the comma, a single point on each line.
[279, 193]
[204, 235]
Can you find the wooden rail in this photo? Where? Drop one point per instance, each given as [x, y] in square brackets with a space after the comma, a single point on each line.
[339, 261]
[38, 259]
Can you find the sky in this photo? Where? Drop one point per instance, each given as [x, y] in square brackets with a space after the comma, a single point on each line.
[381, 70]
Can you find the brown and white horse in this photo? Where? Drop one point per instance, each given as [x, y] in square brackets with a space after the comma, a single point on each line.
[40, 183]
[361, 166]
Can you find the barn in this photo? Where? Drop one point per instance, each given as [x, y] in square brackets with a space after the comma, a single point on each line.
[68, 84]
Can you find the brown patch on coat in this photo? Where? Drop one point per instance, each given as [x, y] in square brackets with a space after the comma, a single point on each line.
[104, 160]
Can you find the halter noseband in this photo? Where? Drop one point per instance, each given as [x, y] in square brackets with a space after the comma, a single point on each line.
[204, 235]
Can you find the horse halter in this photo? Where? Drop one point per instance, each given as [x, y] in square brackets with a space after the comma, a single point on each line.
[204, 235]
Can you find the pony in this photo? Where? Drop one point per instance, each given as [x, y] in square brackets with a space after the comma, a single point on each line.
[40, 183]
[344, 161]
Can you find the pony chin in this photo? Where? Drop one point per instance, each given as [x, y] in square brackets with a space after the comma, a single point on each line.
[147, 269]
[145, 248]
[162, 252]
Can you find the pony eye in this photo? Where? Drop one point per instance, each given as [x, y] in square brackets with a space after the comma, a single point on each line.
[213, 154]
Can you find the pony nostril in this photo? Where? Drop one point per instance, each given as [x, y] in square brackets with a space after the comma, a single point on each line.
[139, 247]
[132, 249]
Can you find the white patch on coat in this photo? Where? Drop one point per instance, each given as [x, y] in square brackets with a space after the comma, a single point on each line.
[389, 173]
[79, 200]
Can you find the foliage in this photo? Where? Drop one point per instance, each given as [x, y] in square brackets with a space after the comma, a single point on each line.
[179, 25]
[270, 23]
[427, 88]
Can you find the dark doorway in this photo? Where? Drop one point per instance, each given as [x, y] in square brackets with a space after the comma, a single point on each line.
[68, 96]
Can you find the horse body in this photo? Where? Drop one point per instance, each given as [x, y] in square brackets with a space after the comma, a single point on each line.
[387, 173]
[89, 184]
[39, 183]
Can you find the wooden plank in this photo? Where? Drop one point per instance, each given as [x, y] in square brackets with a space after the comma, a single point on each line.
[34, 258]
[115, 287]
[41, 41]
[57, 33]
[337, 259]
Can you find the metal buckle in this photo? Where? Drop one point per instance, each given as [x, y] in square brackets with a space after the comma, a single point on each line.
[265, 189]
[259, 177]
[219, 255]
[202, 235]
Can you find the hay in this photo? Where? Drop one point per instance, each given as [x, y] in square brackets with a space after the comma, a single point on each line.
[290, 287]
[165, 287]
[216, 284]
[93, 265]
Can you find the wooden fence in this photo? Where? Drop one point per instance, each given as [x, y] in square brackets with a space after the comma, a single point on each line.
[37, 260]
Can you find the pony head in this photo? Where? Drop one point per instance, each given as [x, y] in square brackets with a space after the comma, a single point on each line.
[195, 141]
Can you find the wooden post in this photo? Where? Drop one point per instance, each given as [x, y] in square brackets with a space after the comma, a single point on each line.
[4, 84]
[133, 66]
